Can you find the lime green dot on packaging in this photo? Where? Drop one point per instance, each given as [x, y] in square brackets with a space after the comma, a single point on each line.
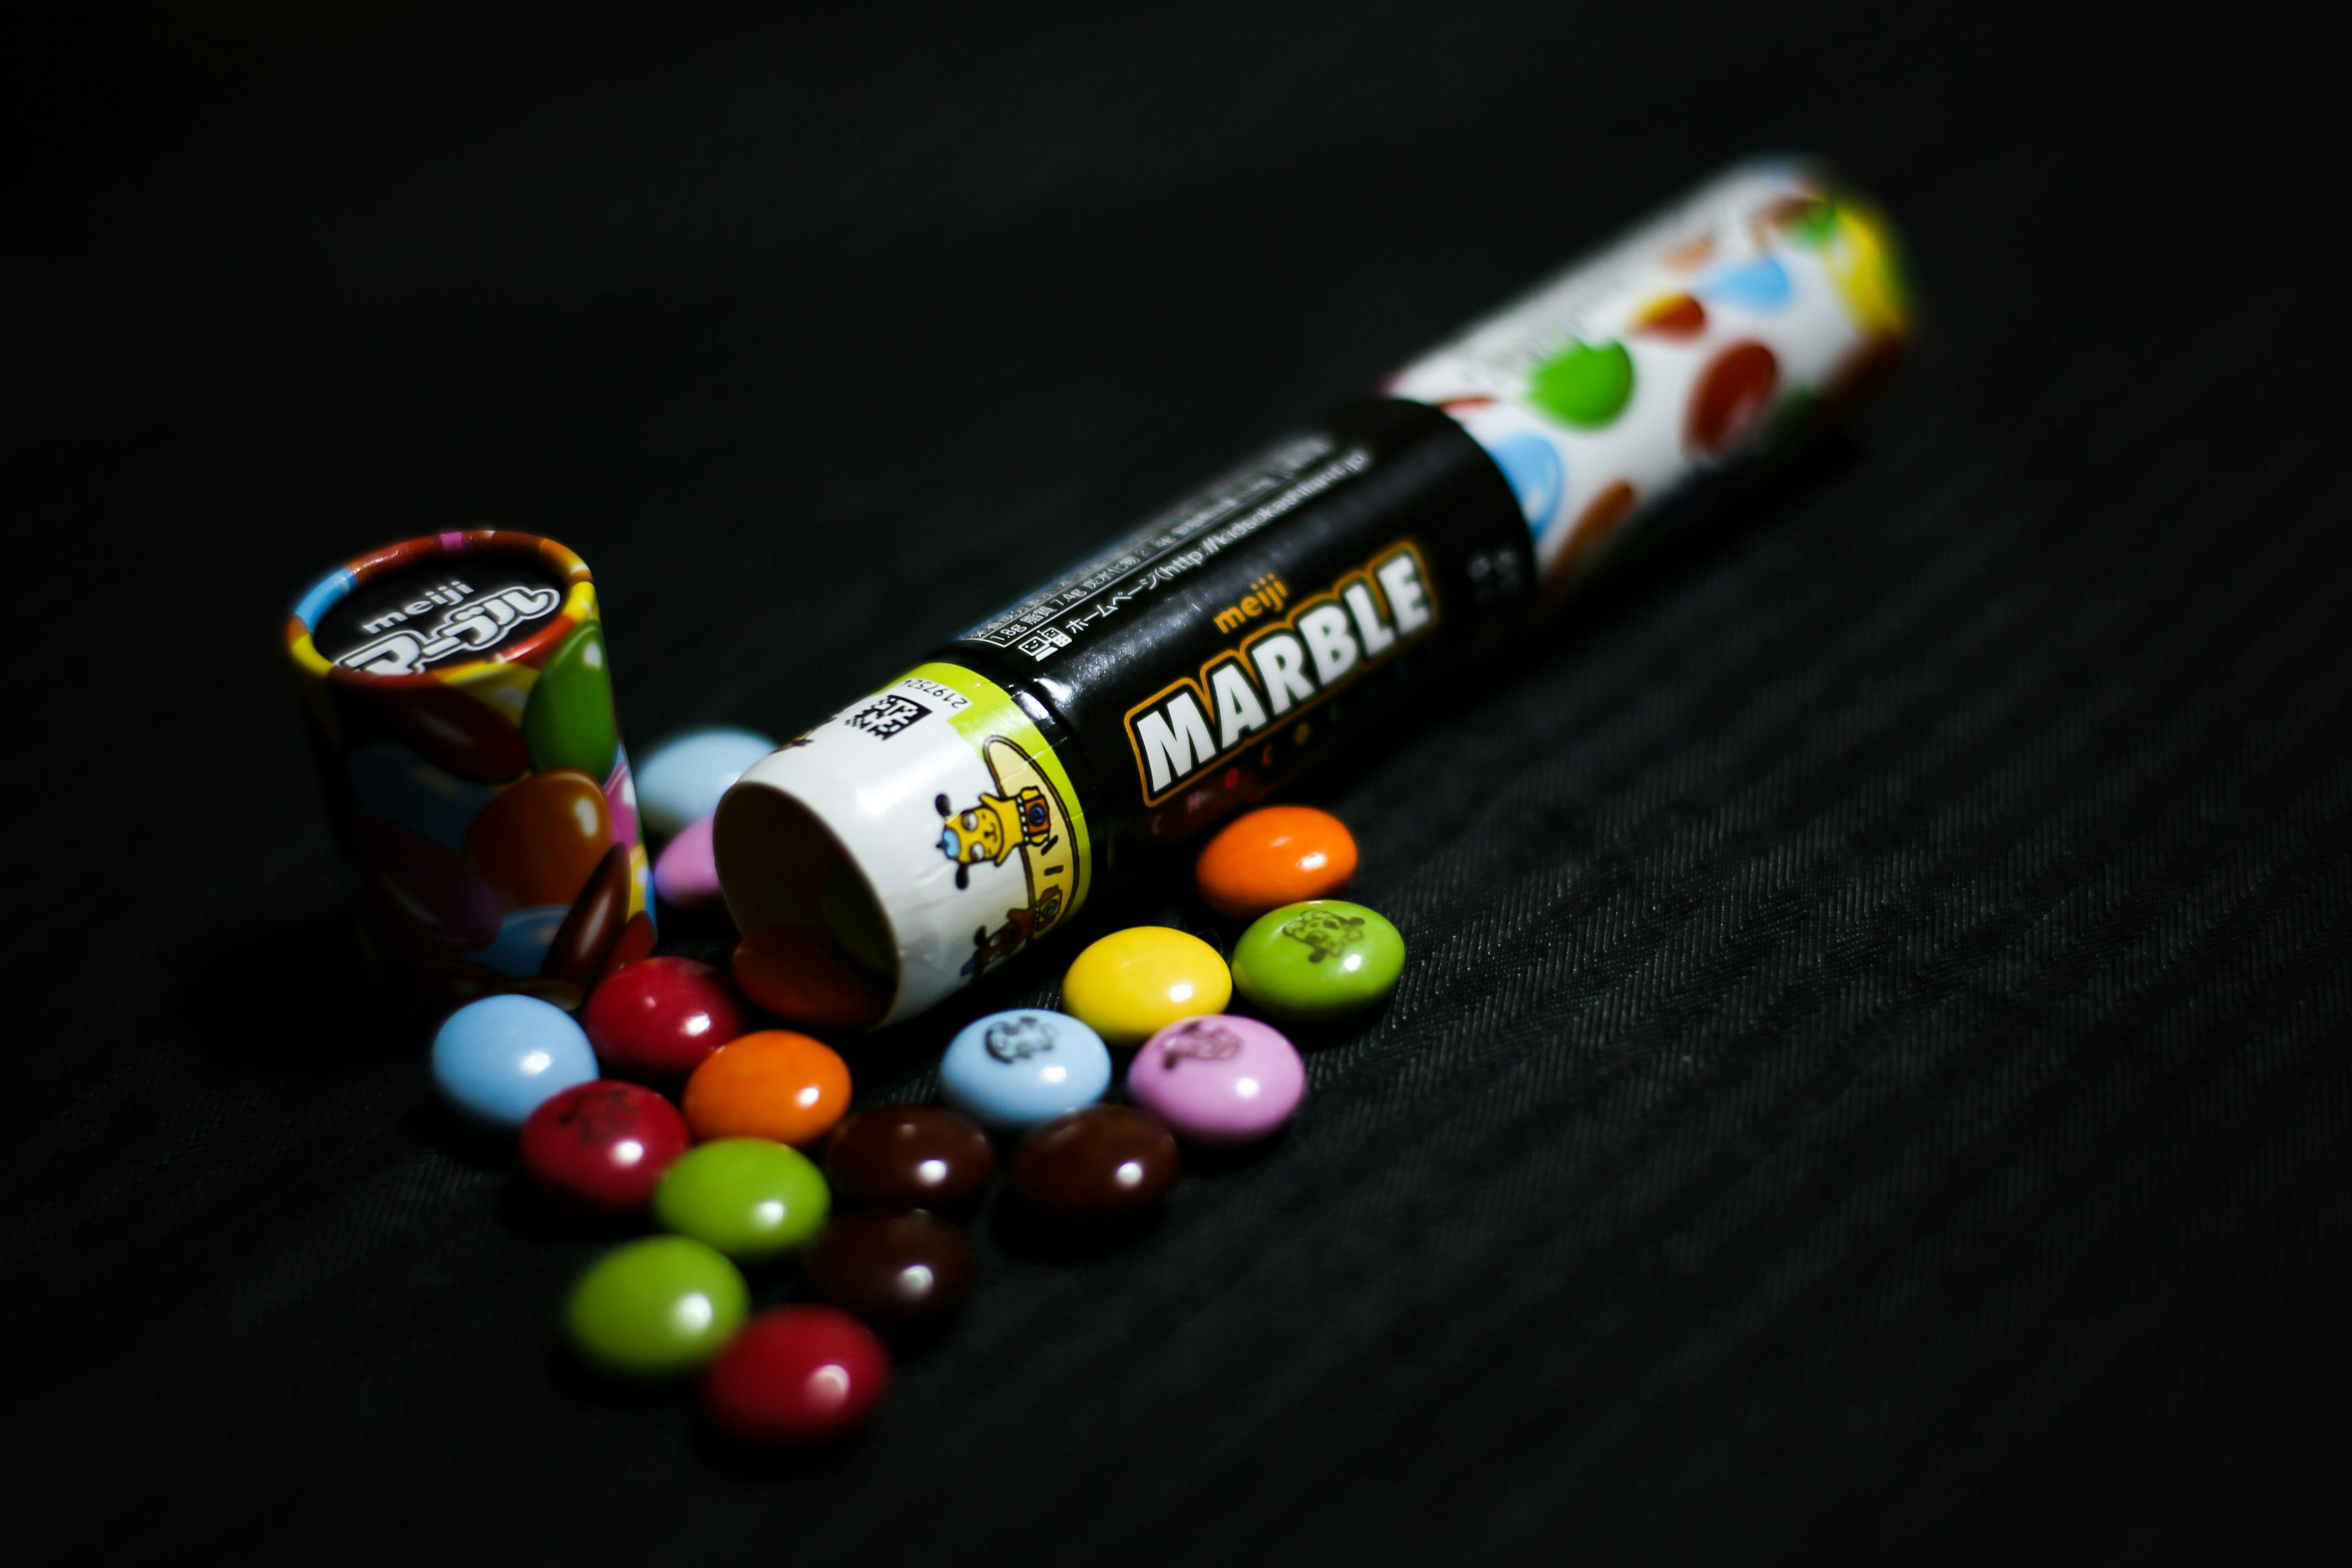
[1587, 387]
[856, 923]
[1322, 959]
[656, 1308]
[747, 1198]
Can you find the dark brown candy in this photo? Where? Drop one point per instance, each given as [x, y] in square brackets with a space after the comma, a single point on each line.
[1104, 1160]
[917, 1156]
[894, 1267]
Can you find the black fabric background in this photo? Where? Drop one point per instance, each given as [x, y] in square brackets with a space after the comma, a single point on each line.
[1870, 1085]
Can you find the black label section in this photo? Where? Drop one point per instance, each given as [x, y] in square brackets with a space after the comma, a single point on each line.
[1219, 648]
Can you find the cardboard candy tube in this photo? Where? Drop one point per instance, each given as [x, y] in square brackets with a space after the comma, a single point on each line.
[460, 710]
[1207, 657]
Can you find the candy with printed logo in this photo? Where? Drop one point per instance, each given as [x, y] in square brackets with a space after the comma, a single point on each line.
[1011, 1071]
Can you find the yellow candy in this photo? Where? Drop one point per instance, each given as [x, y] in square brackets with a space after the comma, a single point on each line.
[1134, 982]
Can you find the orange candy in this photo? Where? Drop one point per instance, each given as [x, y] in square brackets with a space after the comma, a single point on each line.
[798, 973]
[770, 1084]
[1275, 856]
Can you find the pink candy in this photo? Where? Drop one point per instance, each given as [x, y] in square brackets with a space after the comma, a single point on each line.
[687, 873]
[1218, 1079]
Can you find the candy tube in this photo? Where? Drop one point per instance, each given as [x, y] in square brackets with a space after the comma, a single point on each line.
[461, 714]
[943, 824]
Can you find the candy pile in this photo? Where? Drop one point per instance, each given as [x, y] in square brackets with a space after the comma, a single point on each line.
[753, 1158]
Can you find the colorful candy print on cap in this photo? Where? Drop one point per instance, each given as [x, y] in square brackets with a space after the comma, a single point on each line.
[656, 1308]
[459, 705]
[680, 781]
[1104, 1161]
[1134, 982]
[1218, 1079]
[661, 1017]
[797, 1377]
[1322, 959]
[600, 1147]
[909, 1156]
[1274, 856]
[770, 1083]
[747, 1198]
[496, 1060]
[894, 1267]
[1011, 1071]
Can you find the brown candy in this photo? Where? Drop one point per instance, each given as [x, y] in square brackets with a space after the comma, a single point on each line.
[894, 1267]
[917, 1156]
[1102, 1161]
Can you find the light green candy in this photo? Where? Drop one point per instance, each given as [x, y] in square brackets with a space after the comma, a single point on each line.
[569, 720]
[747, 1198]
[656, 1309]
[1322, 959]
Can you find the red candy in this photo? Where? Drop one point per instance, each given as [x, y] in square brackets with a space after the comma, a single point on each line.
[796, 1377]
[602, 1146]
[658, 1017]
[802, 976]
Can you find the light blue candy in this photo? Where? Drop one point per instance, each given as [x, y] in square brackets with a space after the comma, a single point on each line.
[397, 785]
[1012, 1070]
[681, 780]
[496, 1059]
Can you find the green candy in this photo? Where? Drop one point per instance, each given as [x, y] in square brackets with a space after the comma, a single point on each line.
[748, 1198]
[569, 720]
[1322, 959]
[1586, 387]
[656, 1308]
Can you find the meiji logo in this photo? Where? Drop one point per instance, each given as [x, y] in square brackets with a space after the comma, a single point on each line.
[1360, 622]
[467, 626]
[887, 715]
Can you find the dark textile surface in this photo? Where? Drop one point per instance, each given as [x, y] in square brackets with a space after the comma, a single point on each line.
[1871, 1082]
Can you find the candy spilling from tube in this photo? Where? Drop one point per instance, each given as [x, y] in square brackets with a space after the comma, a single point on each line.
[937, 828]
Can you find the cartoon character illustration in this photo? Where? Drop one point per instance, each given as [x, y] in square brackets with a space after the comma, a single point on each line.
[1199, 1039]
[993, 829]
[996, 946]
[1024, 817]
[1018, 1037]
[1329, 934]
